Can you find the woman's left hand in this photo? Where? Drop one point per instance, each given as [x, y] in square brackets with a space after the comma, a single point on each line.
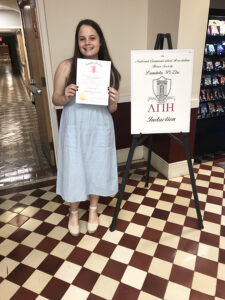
[113, 99]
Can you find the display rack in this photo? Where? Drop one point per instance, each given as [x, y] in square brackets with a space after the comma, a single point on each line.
[211, 113]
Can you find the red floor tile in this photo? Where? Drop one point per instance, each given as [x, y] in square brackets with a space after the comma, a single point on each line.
[105, 248]
[55, 289]
[131, 206]
[18, 221]
[39, 203]
[191, 222]
[195, 295]
[44, 228]
[181, 276]
[188, 246]
[20, 274]
[140, 219]
[129, 241]
[140, 191]
[86, 279]
[167, 197]
[51, 264]
[211, 217]
[20, 252]
[178, 209]
[37, 193]
[209, 239]
[94, 297]
[47, 245]
[160, 214]
[125, 292]
[157, 187]
[114, 269]
[19, 235]
[17, 197]
[155, 286]
[184, 193]
[152, 234]
[206, 266]
[149, 202]
[140, 261]
[42, 215]
[220, 290]
[78, 256]
[24, 294]
[165, 253]
[222, 256]
[213, 200]
[173, 228]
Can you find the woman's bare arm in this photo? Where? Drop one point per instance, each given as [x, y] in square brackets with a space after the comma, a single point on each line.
[62, 94]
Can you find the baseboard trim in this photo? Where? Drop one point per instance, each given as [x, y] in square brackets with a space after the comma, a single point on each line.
[122, 154]
[169, 170]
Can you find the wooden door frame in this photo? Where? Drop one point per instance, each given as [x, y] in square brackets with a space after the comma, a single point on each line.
[43, 34]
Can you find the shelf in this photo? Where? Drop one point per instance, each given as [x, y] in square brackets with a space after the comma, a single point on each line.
[215, 56]
[210, 135]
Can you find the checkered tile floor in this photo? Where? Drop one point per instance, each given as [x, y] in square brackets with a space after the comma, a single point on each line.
[156, 252]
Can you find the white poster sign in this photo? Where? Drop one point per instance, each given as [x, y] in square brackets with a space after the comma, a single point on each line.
[161, 83]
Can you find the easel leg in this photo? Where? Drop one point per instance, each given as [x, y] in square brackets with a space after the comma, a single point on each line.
[191, 172]
[149, 159]
[122, 187]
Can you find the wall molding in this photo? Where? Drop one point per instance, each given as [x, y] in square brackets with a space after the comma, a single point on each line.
[169, 170]
[122, 154]
[42, 26]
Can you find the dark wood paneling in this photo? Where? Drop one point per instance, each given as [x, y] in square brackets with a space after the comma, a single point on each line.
[170, 150]
[121, 119]
[122, 124]
[166, 148]
[210, 135]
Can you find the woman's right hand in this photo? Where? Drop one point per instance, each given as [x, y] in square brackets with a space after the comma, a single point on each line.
[70, 91]
[62, 95]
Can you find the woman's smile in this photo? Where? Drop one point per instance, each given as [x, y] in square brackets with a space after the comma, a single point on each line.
[89, 42]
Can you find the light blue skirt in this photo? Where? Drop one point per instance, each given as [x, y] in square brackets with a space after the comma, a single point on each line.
[86, 154]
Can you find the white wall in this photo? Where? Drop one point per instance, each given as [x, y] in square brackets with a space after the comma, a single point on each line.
[12, 4]
[192, 34]
[10, 19]
[163, 17]
[124, 24]
[186, 20]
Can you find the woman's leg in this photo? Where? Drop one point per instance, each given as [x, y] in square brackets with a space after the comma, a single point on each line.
[73, 218]
[93, 216]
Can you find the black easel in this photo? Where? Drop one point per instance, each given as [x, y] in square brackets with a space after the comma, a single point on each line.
[139, 138]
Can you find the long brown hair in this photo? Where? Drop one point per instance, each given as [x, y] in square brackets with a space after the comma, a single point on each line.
[103, 54]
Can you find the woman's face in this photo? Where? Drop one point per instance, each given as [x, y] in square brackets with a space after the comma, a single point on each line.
[88, 42]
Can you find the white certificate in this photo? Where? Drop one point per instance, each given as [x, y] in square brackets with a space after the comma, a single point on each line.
[93, 80]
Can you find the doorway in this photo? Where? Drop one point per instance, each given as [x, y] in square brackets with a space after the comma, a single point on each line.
[21, 148]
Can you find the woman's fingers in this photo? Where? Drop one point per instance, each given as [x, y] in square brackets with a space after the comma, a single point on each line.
[70, 90]
[113, 94]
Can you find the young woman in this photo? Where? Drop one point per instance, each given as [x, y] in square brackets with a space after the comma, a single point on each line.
[87, 165]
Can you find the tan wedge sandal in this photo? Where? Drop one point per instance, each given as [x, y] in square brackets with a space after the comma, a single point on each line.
[92, 227]
[74, 230]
